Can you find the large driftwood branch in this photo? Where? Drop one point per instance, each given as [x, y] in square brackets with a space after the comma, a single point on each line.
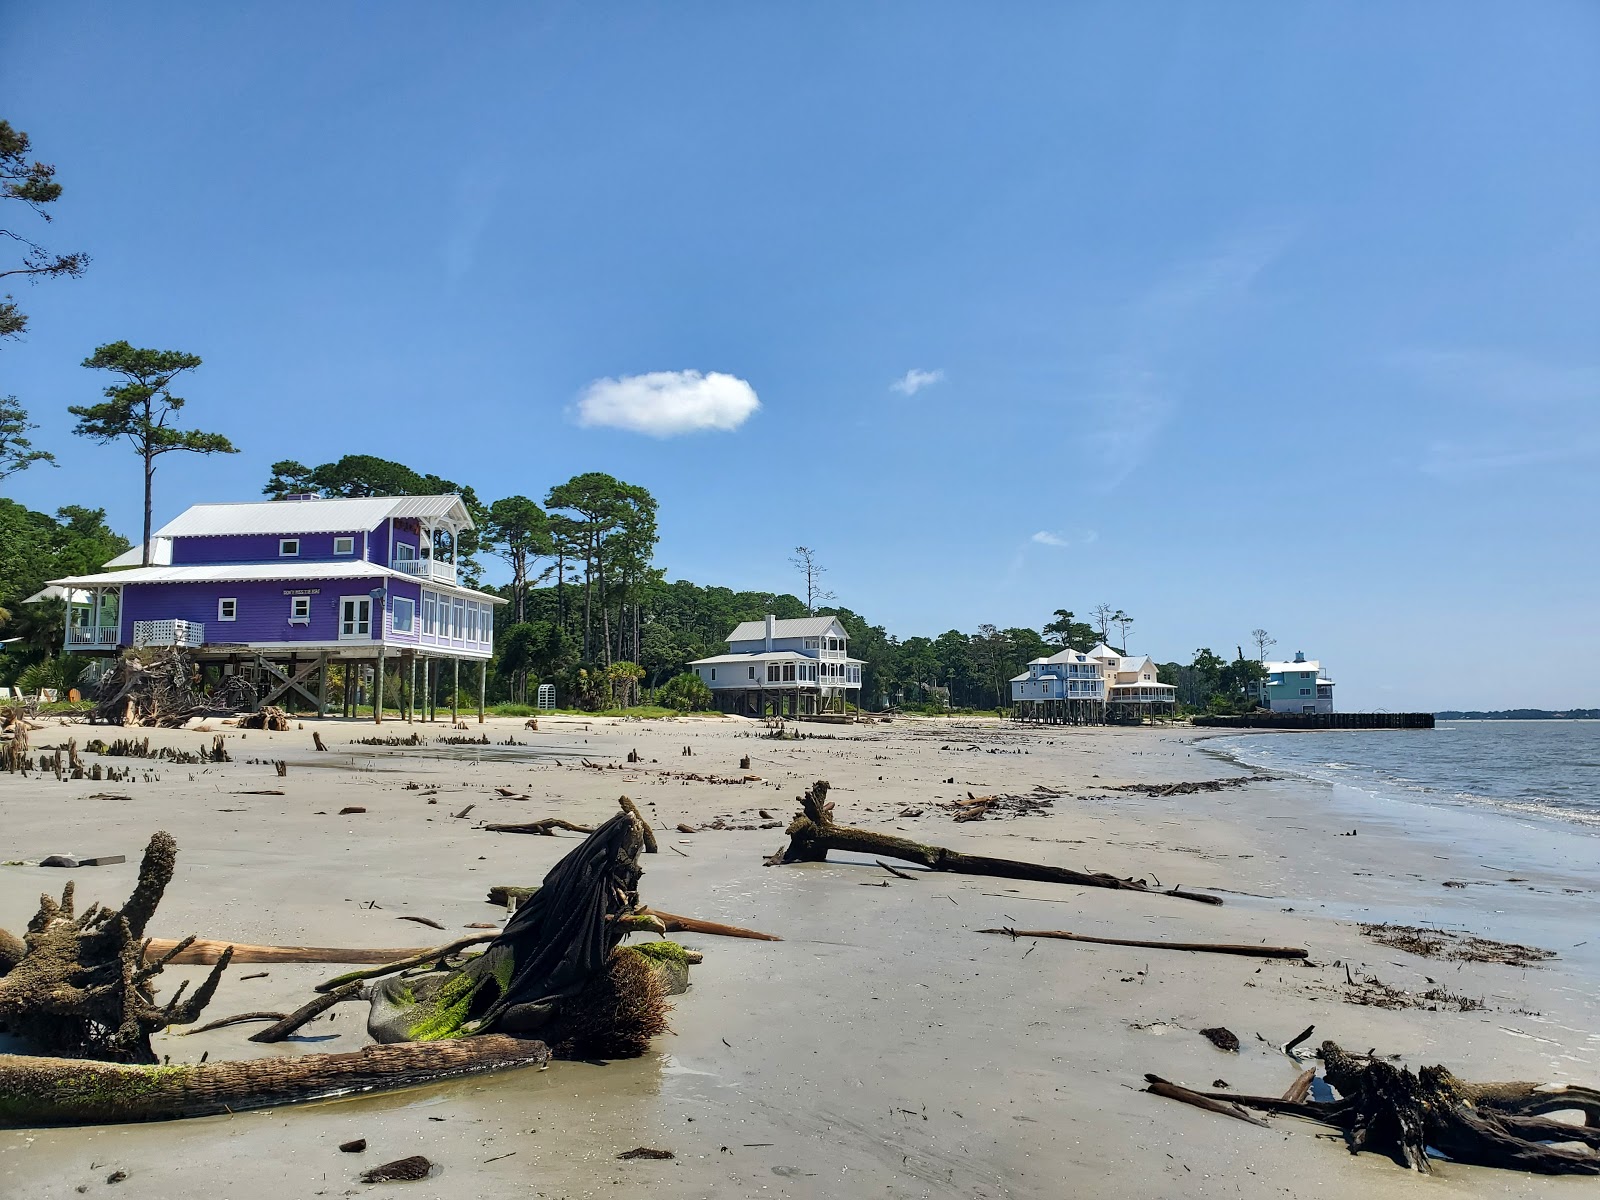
[204, 952]
[813, 833]
[1390, 1110]
[58, 1091]
[1193, 947]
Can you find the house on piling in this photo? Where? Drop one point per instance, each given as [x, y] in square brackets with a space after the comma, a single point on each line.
[1090, 687]
[786, 668]
[279, 591]
[1296, 687]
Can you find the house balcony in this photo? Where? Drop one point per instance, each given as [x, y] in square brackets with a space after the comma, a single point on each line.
[425, 568]
[83, 635]
[179, 633]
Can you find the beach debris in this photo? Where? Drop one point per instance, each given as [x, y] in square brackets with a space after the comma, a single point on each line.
[72, 860]
[898, 874]
[317, 742]
[632, 809]
[980, 808]
[1451, 946]
[354, 1146]
[82, 986]
[56, 1091]
[351, 810]
[1188, 788]
[647, 1152]
[546, 827]
[205, 952]
[271, 718]
[428, 921]
[459, 815]
[1289, 1046]
[1393, 1111]
[401, 1170]
[1244, 950]
[1370, 991]
[155, 688]
[236, 1019]
[506, 896]
[813, 833]
[1222, 1038]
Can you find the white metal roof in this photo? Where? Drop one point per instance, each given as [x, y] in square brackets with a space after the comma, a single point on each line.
[256, 573]
[309, 516]
[160, 555]
[755, 631]
[53, 592]
[1069, 655]
[1309, 664]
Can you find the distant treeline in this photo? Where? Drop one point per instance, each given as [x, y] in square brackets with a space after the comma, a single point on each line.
[1522, 714]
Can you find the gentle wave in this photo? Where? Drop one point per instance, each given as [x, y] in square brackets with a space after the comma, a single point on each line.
[1544, 769]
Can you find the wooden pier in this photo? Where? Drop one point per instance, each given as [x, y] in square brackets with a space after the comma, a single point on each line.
[1335, 720]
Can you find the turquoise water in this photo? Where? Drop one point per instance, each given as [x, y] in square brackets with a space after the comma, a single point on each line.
[1542, 768]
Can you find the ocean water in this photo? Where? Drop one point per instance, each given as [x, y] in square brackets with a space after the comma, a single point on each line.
[1541, 768]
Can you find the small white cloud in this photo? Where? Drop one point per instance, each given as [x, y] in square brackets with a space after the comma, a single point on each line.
[914, 380]
[1045, 538]
[665, 403]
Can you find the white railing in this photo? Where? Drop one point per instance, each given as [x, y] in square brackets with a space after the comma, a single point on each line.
[169, 633]
[83, 635]
[425, 568]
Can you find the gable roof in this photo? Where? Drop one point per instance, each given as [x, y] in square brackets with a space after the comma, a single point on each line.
[309, 516]
[756, 631]
[1309, 664]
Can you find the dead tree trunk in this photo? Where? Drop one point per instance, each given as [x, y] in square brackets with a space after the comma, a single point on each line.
[82, 988]
[58, 1091]
[813, 833]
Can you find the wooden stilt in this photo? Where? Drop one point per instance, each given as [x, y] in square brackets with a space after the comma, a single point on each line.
[322, 685]
[483, 686]
[377, 690]
[455, 692]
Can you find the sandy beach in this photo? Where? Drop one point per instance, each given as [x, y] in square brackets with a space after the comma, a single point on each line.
[884, 1047]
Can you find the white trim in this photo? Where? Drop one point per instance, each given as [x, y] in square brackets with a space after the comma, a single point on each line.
[357, 634]
[233, 600]
[411, 615]
[283, 547]
[299, 602]
[349, 540]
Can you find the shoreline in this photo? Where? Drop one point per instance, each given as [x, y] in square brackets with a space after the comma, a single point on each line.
[1016, 1063]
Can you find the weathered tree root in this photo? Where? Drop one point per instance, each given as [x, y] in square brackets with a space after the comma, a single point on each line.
[1390, 1110]
[57, 1091]
[813, 833]
[1244, 951]
[546, 827]
[82, 988]
[204, 952]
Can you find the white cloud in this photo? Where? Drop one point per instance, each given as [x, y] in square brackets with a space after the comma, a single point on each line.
[1045, 538]
[666, 403]
[914, 380]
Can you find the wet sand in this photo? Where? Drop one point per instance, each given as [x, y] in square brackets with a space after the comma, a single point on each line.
[884, 1048]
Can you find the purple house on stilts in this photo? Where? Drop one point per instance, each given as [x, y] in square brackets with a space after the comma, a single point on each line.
[280, 590]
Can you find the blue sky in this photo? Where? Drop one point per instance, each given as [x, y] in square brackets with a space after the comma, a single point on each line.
[1228, 315]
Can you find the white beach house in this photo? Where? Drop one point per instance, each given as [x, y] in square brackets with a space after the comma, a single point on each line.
[1090, 686]
[785, 667]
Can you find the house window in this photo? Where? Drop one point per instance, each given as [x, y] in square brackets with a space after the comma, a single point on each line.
[344, 545]
[288, 547]
[458, 618]
[1305, 691]
[402, 614]
[430, 610]
[355, 616]
[713, 672]
[788, 672]
[228, 609]
[472, 622]
[299, 610]
[773, 673]
[752, 672]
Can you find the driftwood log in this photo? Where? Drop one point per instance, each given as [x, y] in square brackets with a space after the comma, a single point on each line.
[1394, 1111]
[82, 988]
[1193, 947]
[58, 1091]
[813, 833]
[506, 895]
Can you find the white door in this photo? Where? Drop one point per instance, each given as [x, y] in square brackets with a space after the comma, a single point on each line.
[355, 617]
